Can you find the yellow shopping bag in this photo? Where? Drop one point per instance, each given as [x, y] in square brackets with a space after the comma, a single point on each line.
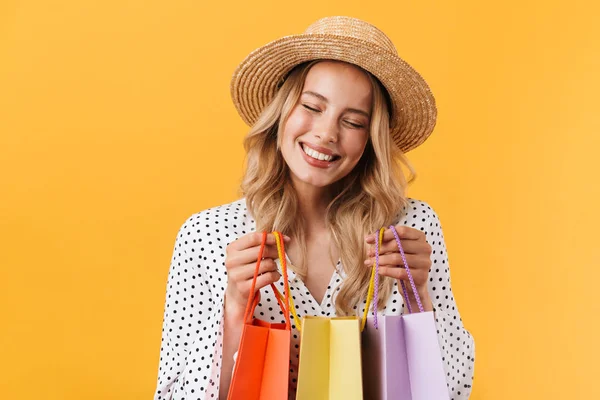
[330, 355]
[330, 363]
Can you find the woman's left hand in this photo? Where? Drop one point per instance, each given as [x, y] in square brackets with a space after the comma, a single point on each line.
[418, 257]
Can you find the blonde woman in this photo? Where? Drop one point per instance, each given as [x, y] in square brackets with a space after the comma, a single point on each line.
[332, 112]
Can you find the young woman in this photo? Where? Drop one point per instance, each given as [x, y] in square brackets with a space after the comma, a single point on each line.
[333, 111]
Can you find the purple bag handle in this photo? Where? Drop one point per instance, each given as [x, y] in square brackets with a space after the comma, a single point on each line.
[410, 278]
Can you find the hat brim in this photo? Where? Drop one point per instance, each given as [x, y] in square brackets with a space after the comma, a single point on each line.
[256, 79]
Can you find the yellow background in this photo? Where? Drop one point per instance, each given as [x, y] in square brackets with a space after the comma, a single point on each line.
[116, 125]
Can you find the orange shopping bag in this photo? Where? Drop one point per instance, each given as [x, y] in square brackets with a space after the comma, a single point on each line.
[262, 368]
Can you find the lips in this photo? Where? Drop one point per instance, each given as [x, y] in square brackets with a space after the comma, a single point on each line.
[318, 163]
[322, 150]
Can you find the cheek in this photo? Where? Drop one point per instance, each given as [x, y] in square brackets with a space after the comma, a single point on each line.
[355, 144]
[297, 124]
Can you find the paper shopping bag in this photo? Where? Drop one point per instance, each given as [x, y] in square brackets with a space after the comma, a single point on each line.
[330, 364]
[262, 367]
[401, 354]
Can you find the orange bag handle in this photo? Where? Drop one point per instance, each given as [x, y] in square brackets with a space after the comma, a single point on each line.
[281, 300]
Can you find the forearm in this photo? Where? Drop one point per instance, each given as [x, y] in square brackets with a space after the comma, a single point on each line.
[458, 351]
[232, 331]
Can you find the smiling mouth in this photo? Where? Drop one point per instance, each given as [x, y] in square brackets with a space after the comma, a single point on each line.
[317, 156]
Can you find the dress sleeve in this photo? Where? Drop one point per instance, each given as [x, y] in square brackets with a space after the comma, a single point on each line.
[456, 343]
[190, 353]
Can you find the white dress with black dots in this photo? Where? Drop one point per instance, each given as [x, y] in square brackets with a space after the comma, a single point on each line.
[191, 347]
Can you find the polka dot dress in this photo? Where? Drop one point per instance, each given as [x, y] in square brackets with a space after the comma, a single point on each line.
[191, 347]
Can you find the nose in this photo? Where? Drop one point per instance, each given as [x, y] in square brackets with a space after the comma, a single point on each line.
[328, 130]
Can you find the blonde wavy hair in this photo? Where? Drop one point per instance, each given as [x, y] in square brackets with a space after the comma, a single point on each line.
[371, 196]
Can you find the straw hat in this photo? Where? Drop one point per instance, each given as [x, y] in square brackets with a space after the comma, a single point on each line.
[256, 79]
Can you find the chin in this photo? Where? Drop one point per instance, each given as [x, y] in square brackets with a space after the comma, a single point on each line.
[318, 182]
[314, 182]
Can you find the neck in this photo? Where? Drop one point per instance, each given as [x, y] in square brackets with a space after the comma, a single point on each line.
[312, 203]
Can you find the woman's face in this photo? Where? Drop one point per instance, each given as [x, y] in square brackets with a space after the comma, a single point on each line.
[326, 132]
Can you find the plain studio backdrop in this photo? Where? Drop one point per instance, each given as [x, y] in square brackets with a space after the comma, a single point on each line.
[116, 125]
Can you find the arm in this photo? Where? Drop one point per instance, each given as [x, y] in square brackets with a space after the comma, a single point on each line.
[231, 341]
[456, 343]
[190, 355]
[242, 256]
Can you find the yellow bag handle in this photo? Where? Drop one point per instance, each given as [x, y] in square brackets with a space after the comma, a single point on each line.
[281, 254]
[371, 290]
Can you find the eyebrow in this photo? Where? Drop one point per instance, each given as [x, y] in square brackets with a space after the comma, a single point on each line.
[323, 98]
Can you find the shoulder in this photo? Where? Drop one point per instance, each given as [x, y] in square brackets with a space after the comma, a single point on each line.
[215, 219]
[203, 238]
[420, 215]
[209, 231]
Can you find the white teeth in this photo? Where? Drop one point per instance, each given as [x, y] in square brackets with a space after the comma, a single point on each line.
[315, 154]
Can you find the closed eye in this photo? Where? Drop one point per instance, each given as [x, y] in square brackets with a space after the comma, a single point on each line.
[310, 108]
[356, 126]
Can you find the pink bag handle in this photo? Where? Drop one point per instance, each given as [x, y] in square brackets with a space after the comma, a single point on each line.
[410, 278]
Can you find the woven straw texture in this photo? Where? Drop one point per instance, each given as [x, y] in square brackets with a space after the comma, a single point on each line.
[255, 81]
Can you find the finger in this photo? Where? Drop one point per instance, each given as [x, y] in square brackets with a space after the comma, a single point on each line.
[267, 278]
[400, 273]
[262, 281]
[253, 239]
[395, 260]
[246, 272]
[409, 247]
[250, 255]
[404, 232]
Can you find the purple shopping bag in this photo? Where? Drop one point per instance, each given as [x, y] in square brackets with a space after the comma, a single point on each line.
[401, 357]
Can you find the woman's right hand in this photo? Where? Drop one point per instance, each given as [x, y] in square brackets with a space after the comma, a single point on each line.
[240, 261]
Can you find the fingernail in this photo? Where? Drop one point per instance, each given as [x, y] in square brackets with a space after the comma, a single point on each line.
[286, 238]
[367, 262]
